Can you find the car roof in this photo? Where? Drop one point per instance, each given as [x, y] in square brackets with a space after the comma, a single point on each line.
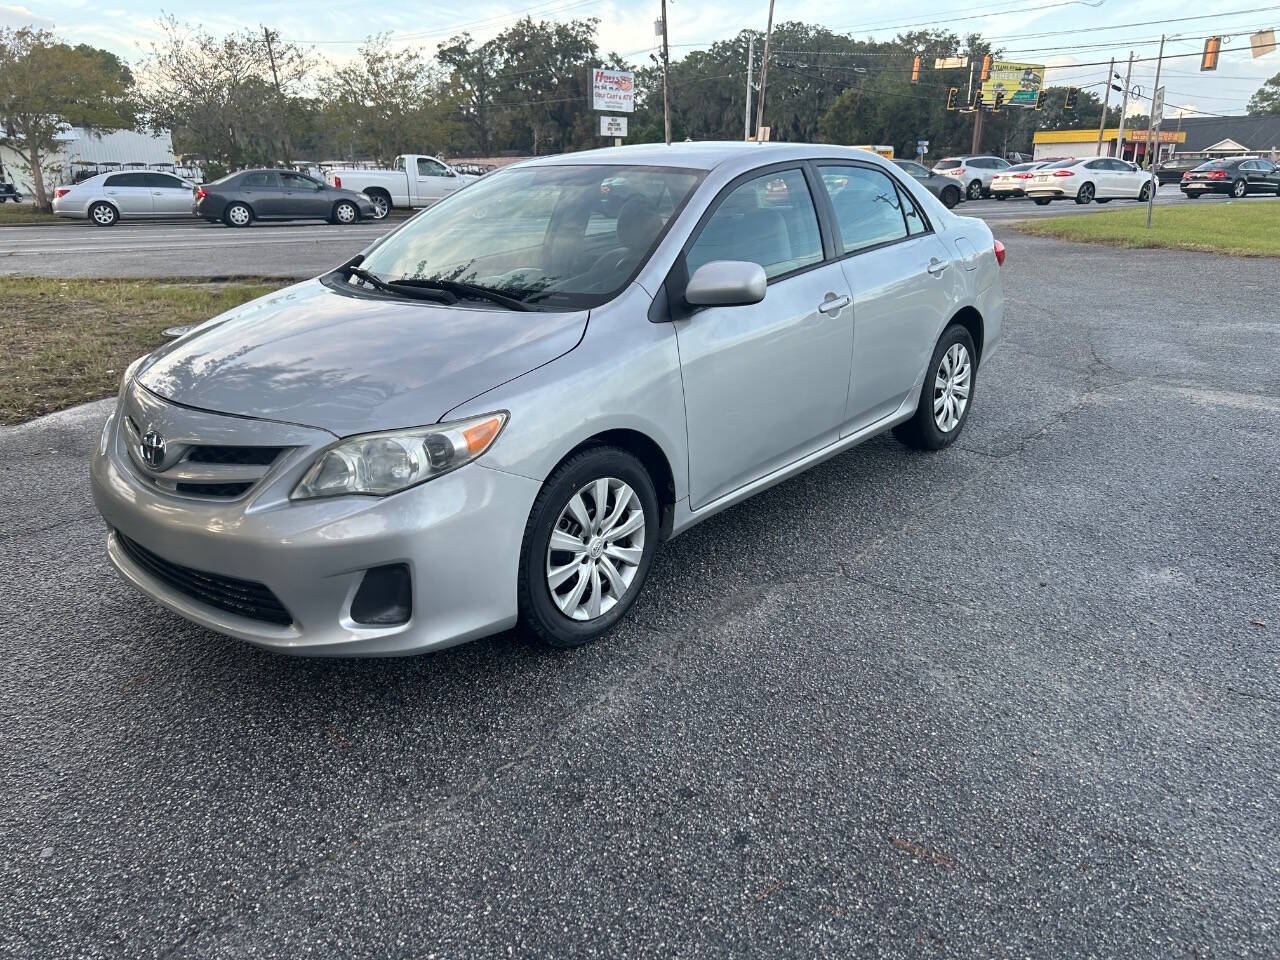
[704, 155]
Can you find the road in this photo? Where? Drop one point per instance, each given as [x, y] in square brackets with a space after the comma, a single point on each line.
[1018, 698]
[199, 249]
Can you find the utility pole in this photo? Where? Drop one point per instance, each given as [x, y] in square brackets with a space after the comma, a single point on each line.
[764, 71]
[269, 37]
[666, 94]
[1106, 102]
[1152, 143]
[977, 113]
[746, 114]
[1124, 107]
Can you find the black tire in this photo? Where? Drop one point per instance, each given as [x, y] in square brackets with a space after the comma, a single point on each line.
[950, 197]
[1145, 193]
[381, 201]
[539, 614]
[1103, 200]
[1192, 194]
[344, 213]
[1001, 196]
[1085, 194]
[1042, 201]
[104, 214]
[237, 215]
[922, 431]
[1239, 189]
[974, 190]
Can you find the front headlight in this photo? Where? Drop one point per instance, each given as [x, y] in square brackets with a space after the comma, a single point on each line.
[378, 464]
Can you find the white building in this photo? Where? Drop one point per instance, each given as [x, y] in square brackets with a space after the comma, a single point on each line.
[83, 149]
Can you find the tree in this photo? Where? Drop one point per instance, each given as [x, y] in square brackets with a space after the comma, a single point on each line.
[228, 99]
[46, 86]
[1266, 101]
[473, 82]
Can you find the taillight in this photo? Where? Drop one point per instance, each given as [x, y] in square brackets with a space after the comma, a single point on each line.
[1187, 175]
[61, 192]
[1064, 173]
[999, 254]
[201, 193]
[958, 172]
[1218, 175]
[1022, 176]
[337, 181]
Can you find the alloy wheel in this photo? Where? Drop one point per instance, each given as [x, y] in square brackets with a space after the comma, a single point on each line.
[1239, 189]
[595, 548]
[380, 206]
[975, 190]
[104, 214]
[951, 386]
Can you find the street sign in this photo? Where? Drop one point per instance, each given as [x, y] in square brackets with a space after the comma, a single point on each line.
[762, 134]
[922, 147]
[613, 90]
[613, 126]
[950, 63]
[1157, 107]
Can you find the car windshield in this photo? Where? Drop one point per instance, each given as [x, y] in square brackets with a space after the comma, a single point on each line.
[1069, 162]
[1022, 166]
[557, 237]
[948, 164]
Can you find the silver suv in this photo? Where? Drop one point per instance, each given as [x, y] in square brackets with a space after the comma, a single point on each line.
[496, 412]
[973, 173]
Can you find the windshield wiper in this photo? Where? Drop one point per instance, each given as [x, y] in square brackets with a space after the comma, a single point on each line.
[460, 288]
[404, 290]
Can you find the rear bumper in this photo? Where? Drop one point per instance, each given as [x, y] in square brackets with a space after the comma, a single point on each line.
[1007, 191]
[1223, 186]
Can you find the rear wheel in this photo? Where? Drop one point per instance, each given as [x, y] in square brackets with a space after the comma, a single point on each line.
[974, 192]
[1239, 189]
[1042, 201]
[344, 212]
[1086, 193]
[237, 215]
[587, 547]
[1001, 196]
[1192, 194]
[950, 197]
[946, 395]
[104, 214]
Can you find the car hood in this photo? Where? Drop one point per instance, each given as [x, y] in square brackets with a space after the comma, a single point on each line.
[352, 364]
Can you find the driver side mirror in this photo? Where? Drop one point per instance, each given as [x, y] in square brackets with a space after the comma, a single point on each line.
[726, 283]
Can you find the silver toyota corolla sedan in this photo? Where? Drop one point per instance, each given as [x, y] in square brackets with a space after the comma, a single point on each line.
[494, 414]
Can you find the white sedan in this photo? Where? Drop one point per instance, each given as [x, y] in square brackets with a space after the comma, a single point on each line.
[1091, 178]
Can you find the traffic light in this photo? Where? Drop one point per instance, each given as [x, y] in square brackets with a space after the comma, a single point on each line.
[915, 70]
[952, 96]
[977, 99]
[999, 101]
[1209, 60]
[986, 68]
[1070, 102]
[1039, 99]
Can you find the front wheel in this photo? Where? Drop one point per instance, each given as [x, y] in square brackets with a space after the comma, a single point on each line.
[975, 190]
[345, 212]
[587, 547]
[1145, 193]
[1239, 189]
[1001, 196]
[1042, 201]
[946, 395]
[950, 197]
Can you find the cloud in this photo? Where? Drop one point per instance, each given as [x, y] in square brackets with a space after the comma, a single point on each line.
[11, 16]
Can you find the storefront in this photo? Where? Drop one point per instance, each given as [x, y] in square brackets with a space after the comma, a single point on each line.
[1084, 143]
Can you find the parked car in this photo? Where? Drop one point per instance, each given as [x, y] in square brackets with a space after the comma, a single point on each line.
[107, 198]
[1235, 176]
[1090, 178]
[1171, 170]
[1011, 182]
[413, 181]
[944, 188]
[430, 443]
[974, 173]
[241, 198]
[9, 192]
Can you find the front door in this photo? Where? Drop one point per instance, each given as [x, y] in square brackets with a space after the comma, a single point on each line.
[435, 180]
[130, 193]
[170, 197]
[305, 197]
[764, 384]
[902, 279]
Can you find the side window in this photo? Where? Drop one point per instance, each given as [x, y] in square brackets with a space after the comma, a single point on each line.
[868, 207]
[769, 220]
[259, 178]
[295, 181]
[431, 168]
[127, 180]
[915, 219]
[160, 181]
[998, 164]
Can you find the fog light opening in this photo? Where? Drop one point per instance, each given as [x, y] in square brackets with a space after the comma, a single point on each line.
[385, 597]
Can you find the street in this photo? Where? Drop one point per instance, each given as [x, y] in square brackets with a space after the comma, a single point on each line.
[199, 249]
[1017, 698]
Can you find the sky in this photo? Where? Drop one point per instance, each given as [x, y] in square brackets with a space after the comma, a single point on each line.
[1102, 27]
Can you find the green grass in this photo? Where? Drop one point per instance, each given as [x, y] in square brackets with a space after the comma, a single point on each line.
[1246, 228]
[11, 213]
[68, 341]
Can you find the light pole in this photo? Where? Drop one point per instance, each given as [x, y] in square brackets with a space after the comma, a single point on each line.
[764, 71]
[746, 114]
[666, 97]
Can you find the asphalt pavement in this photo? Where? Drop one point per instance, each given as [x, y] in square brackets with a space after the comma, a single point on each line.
[194, 248]
[1015, 699]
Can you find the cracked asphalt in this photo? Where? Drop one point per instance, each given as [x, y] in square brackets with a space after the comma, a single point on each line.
[1016, 699]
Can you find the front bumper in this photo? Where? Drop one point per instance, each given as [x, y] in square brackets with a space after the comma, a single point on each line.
[460, 536]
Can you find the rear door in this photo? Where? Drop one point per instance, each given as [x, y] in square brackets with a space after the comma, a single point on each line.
[170, 197]
[765, 384]
[901, 277]
[261, 190]
[130, 193]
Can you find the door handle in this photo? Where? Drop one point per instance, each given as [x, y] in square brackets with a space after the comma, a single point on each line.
[936, 267]
[833, 305]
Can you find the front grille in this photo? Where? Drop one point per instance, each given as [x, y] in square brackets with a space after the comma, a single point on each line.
[222, 490]
[245, 598]
[250, 456]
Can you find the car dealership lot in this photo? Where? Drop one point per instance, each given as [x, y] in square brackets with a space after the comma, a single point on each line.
[1017, 698]
[199, 249]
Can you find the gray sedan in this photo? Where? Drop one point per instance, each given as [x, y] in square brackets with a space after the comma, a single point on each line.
[495, 414]
[241, 198]
[944, 188]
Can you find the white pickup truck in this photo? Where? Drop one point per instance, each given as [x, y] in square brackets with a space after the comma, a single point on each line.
[413, 181]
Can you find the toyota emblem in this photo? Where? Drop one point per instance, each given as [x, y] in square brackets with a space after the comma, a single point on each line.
[152, 449]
